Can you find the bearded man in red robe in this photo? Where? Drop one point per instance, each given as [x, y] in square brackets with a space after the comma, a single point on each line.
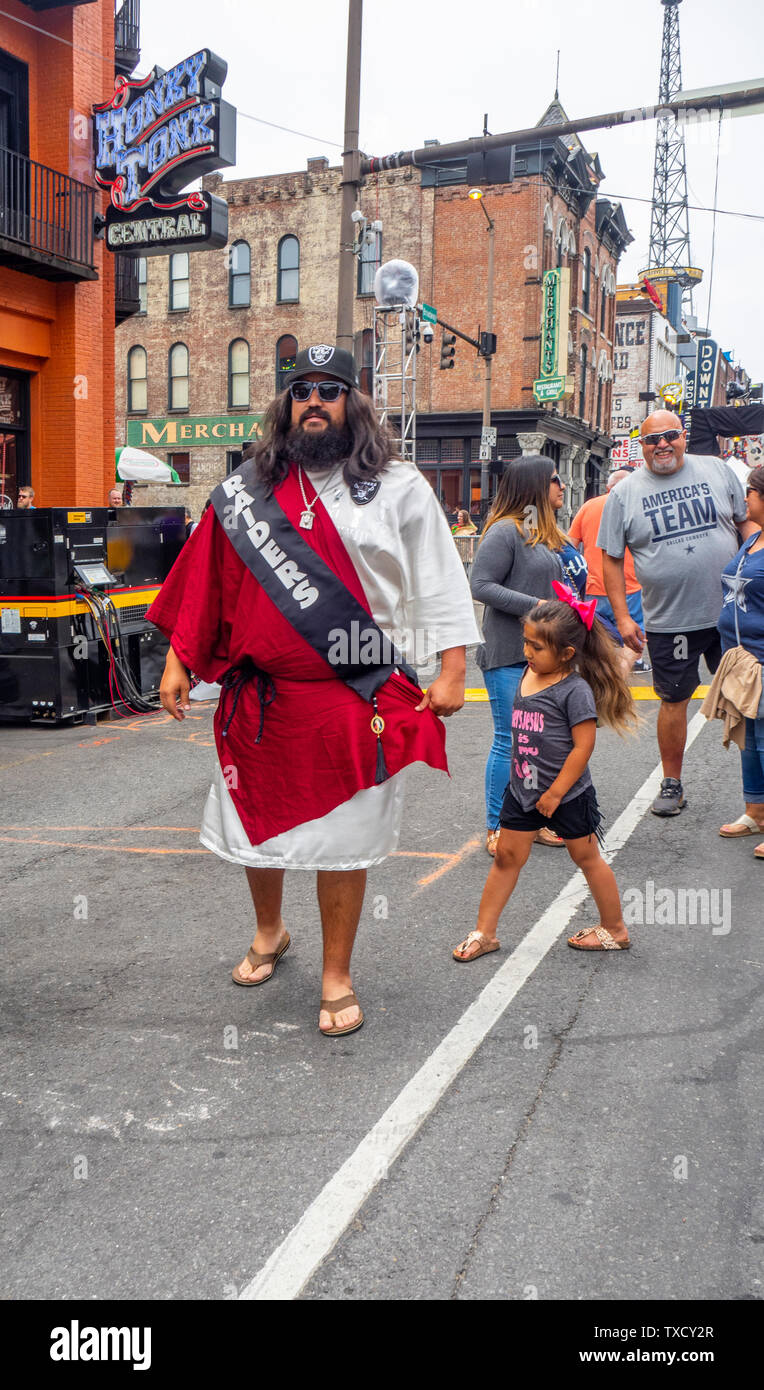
[322, 564]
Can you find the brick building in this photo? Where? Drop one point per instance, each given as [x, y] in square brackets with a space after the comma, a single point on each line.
[197, 367]
[57, 296]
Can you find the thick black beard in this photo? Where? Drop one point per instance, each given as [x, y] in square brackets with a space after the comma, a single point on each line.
[319, 451]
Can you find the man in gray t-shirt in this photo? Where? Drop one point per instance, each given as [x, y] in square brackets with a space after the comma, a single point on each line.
[679, 516]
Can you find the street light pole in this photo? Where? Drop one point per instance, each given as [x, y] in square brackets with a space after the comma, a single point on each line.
[485, 464]
[351, 178]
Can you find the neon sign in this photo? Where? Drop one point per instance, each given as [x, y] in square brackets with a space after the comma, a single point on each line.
[153, 137]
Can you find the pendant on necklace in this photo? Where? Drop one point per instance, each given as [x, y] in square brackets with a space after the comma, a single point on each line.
[306, 520]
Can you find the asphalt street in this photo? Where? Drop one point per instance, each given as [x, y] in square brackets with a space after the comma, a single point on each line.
[165, 1132]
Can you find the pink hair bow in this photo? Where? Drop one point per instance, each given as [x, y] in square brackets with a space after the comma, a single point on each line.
[585, 610]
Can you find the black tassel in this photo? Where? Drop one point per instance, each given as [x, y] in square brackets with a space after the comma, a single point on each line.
[382, 772]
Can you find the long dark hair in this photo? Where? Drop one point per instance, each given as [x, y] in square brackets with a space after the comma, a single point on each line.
[372, 446]
[755, 480]
[596, 659]
[523, 497]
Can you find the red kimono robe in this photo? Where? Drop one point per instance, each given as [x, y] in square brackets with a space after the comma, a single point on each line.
[316, 747]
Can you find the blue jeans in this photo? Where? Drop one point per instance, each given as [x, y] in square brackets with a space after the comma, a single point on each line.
[633, 603]
[752, 761]
[501, 684]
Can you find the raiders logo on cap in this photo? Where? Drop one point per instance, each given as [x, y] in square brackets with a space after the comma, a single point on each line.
[364, 490]
[321, 354]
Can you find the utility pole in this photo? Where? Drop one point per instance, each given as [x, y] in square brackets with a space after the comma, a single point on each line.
[485, 466]
[351, 178]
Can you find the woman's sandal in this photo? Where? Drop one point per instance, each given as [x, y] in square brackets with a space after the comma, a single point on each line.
[736, 829]
[758, 853]
[486, 947]
[607, 942]
[255, 958]
[546, 836]
[336, 1006]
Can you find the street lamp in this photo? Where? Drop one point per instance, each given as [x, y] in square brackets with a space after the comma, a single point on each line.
[476, 194]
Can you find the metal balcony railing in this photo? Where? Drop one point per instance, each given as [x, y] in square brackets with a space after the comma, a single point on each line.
[46, 217]
[127, 35]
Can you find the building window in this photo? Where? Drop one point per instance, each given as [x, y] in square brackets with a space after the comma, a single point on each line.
[143, 285]
[289, 270]
[369, 261]
[286, 352]
[177, 392]
[137, 385]
[179, 280]
[364, 359]
[182, 465]
[586, 281]
[603, 309]
[239, 276]
[599, 401]
[582, 395]
[238, 373]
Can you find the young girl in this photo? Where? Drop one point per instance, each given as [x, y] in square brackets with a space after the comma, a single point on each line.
[572, 676]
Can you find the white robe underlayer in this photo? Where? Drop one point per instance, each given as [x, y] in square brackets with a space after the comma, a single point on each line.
[414, 580]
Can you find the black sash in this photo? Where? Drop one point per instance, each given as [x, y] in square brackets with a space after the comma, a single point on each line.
[302, 586]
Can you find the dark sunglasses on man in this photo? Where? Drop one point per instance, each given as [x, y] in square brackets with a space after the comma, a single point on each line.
[328, 391]
[669, 435]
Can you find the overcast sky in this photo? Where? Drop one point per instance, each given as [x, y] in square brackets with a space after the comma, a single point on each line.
[431, 71]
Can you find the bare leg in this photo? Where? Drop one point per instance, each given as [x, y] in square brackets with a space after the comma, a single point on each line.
[604, 889]
[512, 850]
[672, 736]
[266, 887]
[340, 899]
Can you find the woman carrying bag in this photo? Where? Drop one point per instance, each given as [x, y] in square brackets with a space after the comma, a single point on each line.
[737, 692]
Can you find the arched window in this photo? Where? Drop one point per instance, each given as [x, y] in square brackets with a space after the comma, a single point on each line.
[239, 275]
[286, 352]
[288, 291]
[137, 384]
[364, 359]
[603, 307]
[586, 280]
[562, 239]
[179, 297]
[369, 260]
[177, 377]
[238, 373]
[582, 393]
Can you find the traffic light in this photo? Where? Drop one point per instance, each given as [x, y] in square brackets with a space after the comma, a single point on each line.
[487, 344]
[412, 335]
[447, 351]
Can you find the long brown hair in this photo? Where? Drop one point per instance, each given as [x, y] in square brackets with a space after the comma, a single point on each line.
[371, 451]
[596, 659]
[523, 497]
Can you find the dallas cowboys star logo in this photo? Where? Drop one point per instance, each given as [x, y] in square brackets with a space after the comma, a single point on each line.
[737, 588]
[691, 550]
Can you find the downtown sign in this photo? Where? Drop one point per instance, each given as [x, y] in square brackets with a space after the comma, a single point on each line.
[705, 372]
[154, 137]
[553, 381]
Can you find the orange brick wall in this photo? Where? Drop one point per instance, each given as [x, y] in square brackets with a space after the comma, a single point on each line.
[63, 332]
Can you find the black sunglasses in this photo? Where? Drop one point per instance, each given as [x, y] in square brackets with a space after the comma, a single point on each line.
[555, 478]
[328, 391]
[668, 435]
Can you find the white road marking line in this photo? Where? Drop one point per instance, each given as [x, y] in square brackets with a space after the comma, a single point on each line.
[295, 1261]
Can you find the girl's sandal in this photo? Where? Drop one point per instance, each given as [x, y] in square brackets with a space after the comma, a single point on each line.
[491, 841]
[336, 1006]
[486, 947]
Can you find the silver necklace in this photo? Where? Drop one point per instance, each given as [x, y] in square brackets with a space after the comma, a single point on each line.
[307, 518]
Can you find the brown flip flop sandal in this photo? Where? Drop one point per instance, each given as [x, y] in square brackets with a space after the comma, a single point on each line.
[485, 948]
[607, 942]
[335, 1006]
[255, 958]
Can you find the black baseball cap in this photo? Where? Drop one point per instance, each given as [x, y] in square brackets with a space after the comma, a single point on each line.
[323, 357]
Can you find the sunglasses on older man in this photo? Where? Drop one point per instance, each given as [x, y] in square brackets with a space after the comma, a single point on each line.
[328, 391]
[669, 435]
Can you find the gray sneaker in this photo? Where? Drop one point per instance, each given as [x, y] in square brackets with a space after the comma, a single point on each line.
[670, 798]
